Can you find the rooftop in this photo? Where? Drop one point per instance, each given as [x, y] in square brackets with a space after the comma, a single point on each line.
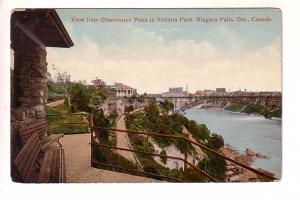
[42, 25]
[121, 86]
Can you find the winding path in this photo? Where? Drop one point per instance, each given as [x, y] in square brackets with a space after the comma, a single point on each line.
[123, 140]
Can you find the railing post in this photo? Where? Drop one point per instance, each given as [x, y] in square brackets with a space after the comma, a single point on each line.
[185, 161]
[92, 140]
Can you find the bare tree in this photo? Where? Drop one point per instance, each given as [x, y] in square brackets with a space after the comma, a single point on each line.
[63, 79]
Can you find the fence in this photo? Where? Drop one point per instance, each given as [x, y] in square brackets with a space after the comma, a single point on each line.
[97, 144]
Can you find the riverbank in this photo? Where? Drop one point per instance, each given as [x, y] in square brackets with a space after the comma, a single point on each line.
[235, 173]
[267, 112]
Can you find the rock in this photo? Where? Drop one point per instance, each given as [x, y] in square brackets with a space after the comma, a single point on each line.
[229, 167]
[40, 115]
[17, 115]
[24, 99]
[260, 155]
[38, 93]
[235, 178]
[230, 173]
[249, 152]
[39, 108]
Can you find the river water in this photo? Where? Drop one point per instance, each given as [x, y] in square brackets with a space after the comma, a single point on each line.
[243, 131]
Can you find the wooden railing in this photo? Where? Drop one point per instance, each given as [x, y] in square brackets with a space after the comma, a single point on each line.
[99, 144]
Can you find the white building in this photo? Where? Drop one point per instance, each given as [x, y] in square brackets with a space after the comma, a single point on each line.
[123, 90]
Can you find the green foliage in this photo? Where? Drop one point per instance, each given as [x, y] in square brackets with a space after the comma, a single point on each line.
[235, 107]
[53, 98]
[195, 176]
[166, 106]
[101, 121]
[94, 102]
[54, 87]
[216, 141]
[163, 159]
[214, 165]
[256, 109]
[143, 121]
[181, 119]
[63, 116]
[110, 157]
[199, 131]
[80, 97]
[152, 113]
[129, 108]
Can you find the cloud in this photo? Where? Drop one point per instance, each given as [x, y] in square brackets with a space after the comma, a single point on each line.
[145, 60]
[169, 30]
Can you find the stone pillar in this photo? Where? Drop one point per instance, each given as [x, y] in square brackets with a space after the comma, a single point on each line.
[30, 69]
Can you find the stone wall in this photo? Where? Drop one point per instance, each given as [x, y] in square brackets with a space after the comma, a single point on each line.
[30, 81]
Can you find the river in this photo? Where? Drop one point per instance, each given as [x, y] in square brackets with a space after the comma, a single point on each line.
[243, 131]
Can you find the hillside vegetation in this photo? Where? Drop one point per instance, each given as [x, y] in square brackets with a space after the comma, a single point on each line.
[156, 120]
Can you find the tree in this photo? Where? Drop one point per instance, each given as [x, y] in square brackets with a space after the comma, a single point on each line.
[216, 141]
[63, 80]
[166, 106]
[152, 112]
[79, 97]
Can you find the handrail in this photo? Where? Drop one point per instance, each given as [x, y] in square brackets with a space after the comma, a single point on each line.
[184, 160]
[153, 154]
[137, 151]
[138, 132]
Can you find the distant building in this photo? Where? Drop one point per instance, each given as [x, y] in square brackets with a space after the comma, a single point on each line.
[123, 90]
[200, 93]
[221, 90]
[175, 92]
[208, 92]
[176, 89]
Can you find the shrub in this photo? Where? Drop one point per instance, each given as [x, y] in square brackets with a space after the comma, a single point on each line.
[80, 97]
[199, 131]
[152, 112]
[214, 165]
[216, 141]
[163, 159]
[129, 108]
[136, 139]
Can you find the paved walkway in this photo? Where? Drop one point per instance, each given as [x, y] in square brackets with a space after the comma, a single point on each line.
[77, 154]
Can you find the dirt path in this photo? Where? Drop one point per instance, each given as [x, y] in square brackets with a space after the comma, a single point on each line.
[78, 161]
[123, 141]
[55, 103]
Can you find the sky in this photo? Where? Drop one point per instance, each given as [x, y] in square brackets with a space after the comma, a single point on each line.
[153, 56]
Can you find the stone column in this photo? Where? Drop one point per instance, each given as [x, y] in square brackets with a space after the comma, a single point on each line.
[30, 69]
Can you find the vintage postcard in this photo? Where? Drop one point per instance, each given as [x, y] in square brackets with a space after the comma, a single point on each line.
[146, 95]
